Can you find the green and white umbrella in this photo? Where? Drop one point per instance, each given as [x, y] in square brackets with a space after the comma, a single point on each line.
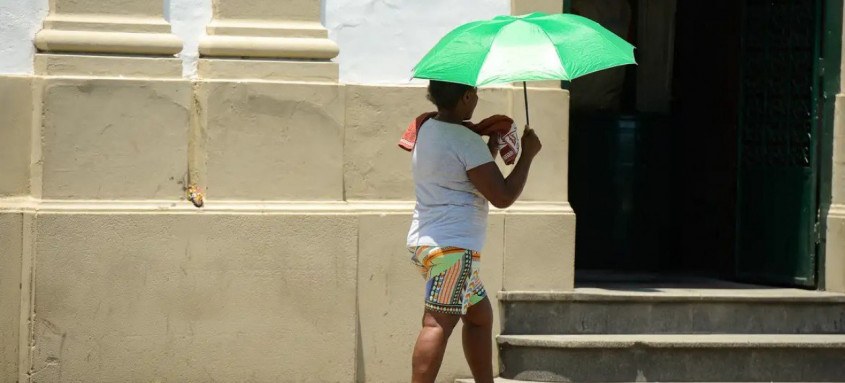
[524, 48]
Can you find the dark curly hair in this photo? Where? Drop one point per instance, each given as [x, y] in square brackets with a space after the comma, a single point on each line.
[445, 95]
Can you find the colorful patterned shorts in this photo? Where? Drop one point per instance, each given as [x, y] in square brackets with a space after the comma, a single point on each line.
[451, 274]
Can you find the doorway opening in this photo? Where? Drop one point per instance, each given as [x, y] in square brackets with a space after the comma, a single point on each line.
[703, 160]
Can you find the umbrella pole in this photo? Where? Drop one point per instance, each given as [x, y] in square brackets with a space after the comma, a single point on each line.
[525, 93]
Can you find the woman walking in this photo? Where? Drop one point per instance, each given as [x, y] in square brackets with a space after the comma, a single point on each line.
[454, 177]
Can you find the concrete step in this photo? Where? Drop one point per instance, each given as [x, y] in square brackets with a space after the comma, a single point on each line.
[503, 380]
[674, 358]
[673, 311]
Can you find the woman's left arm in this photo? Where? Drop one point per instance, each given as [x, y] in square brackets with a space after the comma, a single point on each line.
[493, 144]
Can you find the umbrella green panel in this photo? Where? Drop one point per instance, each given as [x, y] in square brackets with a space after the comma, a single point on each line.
[534, 47]
[780, 115]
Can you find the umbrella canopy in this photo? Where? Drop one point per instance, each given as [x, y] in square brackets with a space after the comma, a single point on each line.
[531, 47]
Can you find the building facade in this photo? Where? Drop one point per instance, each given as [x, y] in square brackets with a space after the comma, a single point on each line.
[295, 267]
[284, 116]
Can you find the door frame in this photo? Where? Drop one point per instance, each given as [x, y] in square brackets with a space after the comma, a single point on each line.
[828, 51]
[742, 229]
[831, 60]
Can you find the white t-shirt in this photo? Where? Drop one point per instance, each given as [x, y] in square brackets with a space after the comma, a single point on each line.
[449, 211]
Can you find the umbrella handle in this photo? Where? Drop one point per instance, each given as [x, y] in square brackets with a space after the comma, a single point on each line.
[525, 93]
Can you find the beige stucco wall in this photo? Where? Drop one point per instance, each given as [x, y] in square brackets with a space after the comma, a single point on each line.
[374, 166]
[297, 261]
[835, 255]
[299, 10]
[110, 139]
[16, 108]
[11, 230]
[835, 249]
[272, 140]
[296, 269]
[834, 266]
[375, 169]
[195, 297]
[389, 308]
[549, 109]
[519, 7]
[125, 293]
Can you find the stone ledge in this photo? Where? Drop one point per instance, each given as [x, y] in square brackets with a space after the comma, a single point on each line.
[268, 70]
[98, 22]
[57, 65]
[676, 341]
[27, 204]
[836, 211]
[51, 40]
[268, 47]
[260, 28]
[674, 296]
[503, 380]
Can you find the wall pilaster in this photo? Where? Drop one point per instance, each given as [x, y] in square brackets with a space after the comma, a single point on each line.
[276, 29]
[107, 38]
[92, 26]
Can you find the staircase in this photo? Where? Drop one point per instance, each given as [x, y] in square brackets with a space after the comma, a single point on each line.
[632, 333]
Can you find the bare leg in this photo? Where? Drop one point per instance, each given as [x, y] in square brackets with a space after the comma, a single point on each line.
[478, 337]
[431, 345]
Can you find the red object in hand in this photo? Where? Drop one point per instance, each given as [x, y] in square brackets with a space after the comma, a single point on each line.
[500, 126]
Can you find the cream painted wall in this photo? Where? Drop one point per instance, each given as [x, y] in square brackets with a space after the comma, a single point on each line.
[11, 242]
[131, 282]
[129, 279]
[16, 112]
[835, 250]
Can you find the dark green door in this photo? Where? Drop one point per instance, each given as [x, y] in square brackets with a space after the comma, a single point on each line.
[778, 139]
